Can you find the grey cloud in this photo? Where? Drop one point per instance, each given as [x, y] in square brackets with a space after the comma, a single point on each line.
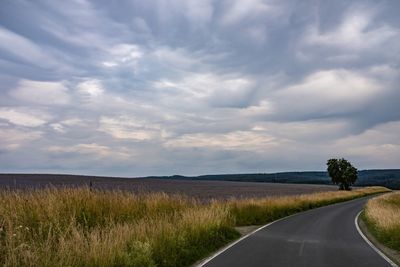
[163, 87]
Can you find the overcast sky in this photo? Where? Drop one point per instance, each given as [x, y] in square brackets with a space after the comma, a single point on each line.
[162, 87]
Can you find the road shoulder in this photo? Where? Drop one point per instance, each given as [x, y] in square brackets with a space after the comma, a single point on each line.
[390, 253]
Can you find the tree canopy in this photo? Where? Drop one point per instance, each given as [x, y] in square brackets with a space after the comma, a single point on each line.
[342, 173]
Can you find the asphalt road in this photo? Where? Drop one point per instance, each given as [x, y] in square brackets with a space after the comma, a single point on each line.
[325, 236]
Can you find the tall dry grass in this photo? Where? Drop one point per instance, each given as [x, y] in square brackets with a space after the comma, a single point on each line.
[382, 216]
[260, 211]
[80, 227]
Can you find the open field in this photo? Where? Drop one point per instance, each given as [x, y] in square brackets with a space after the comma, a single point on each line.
[84, 227]
[197, 189]
[382, 217]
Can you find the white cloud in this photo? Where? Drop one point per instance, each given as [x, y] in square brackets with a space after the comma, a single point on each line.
[57, 127]
[67, 124]
[263, 108]
[74, 35]
[11, 139]
[123, 54]
[313, 131]
[90, 89]
[128, 127]
[25, 49]
[385, 72]
[217, 90]
[44, 93]
[326, 93]
[378, 146]
[24, 117]
[239, 10]
[175, 58]
[93, 149]
[238, 140]
[72, 121]
[380, 135]
[356, 32]
[183, 60]
[87, 25]
[109, 64]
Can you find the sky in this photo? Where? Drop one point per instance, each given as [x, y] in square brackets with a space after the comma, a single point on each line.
[163, 87]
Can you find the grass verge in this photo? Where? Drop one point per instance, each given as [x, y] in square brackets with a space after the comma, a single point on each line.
[80, 227]
[382, 218]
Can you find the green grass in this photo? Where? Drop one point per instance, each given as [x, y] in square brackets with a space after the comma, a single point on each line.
[80, 227]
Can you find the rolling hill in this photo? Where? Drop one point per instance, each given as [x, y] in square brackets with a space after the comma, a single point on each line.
[389, 178]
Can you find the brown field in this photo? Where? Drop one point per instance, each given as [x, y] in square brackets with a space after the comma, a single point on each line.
[192, 188]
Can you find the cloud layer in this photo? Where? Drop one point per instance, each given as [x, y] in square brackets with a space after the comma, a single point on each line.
[193, 87]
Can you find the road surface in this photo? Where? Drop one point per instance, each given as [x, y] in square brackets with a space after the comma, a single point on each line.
[321, 237]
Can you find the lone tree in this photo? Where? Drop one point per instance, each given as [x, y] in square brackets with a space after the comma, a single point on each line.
[342, 173]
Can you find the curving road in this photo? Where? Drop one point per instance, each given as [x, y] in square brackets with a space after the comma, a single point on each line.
[321, 237]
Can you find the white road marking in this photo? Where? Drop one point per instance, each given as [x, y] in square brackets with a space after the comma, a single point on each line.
[370, 243]
[240, 239]
[301, 248]
[219, 252]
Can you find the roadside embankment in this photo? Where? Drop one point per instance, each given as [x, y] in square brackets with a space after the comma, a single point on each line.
[381, 217]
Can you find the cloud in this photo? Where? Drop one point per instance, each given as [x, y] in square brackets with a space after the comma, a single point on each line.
[12, 139]
[239, 140]
[92, 149]
[239, 10]
[90, 89]
[325, 93]
[197, 87]
[127, 127]
[24, 49]
[381, 143]
[356, 32]
[360, 36]
[123, 54]
[84, 21]
[67, 125]
[43, 93]
[57, 127]
[176, 58]
[310, 131]
[216, 90]
[24, 117]
[198, 12]
[263, 108]
[72, 122]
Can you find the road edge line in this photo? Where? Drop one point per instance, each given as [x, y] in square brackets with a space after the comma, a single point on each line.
[207, 260]
[222, 250]
[386, 258]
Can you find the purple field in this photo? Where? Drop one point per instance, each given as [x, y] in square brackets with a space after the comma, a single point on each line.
[192, 188]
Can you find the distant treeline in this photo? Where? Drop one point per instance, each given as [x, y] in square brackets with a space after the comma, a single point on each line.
[387, 178]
